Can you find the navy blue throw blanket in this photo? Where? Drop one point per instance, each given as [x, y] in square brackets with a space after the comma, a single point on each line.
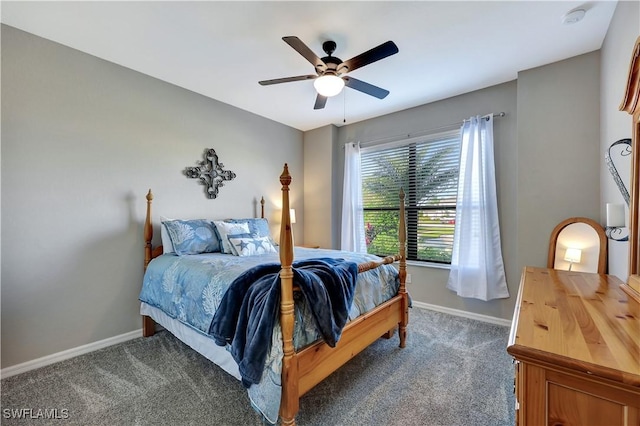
[249, 308]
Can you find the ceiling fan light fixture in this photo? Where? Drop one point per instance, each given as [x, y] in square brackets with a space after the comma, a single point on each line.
[328, 85]
[328, 70]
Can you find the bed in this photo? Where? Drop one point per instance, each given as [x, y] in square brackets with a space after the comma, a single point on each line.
[299, 357]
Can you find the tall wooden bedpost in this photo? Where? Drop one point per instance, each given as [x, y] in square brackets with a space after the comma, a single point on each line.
[148, 325]
[148, 231]
[290, 399]
[402, 241]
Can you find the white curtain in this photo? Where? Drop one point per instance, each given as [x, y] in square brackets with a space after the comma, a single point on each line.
[477, 269]
[352, 214]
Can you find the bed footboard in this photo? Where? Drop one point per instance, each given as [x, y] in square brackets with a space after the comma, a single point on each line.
[303, 370]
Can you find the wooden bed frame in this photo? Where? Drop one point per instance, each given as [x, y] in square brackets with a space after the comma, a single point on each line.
[302, 370]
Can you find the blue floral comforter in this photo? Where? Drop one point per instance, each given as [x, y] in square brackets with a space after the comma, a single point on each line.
[190, 288]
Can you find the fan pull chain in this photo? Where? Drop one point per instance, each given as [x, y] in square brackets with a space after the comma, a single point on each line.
[344, 106]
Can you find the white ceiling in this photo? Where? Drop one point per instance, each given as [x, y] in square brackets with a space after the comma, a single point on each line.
[222, 49]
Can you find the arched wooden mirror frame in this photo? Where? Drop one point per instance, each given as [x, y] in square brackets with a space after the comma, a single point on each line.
[631, 104]
[553, 241]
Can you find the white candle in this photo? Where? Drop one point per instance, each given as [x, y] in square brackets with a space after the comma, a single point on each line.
[615, 215]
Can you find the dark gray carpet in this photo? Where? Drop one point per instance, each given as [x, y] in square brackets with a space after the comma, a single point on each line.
[453, 371]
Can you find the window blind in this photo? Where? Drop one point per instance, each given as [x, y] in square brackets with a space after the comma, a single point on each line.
[427, 169]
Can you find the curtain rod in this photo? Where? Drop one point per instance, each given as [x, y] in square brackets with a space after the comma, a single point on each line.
[424, 132]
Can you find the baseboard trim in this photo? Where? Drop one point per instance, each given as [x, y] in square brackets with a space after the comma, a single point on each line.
[69, 353]
[459, 313]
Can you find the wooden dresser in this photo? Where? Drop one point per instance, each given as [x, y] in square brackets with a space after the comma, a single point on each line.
[575, 340]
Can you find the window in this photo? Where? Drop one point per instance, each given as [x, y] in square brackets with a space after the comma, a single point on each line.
[427, 169]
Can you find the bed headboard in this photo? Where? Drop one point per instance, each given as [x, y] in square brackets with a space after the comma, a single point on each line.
[151, 252]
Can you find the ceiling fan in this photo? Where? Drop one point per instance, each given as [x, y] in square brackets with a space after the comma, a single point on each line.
[331, 71]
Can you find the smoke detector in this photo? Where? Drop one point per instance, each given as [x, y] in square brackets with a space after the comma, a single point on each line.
[573, 16]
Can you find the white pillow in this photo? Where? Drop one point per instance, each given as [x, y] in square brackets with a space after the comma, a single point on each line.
[167, 245]
[251, 246]
[227, 228]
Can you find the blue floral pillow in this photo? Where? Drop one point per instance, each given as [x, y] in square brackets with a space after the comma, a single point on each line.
[258, 227]
[192, 236]
[251, 246]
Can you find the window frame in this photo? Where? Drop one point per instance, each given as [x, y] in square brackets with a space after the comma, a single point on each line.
[412, 208]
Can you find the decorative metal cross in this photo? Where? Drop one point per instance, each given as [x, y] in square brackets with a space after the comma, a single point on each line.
[210, 172]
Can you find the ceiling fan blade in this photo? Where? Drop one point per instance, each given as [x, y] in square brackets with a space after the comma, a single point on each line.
[364, 87]
[287, 79]
[304, 50]
[321, 101]
[379, 52]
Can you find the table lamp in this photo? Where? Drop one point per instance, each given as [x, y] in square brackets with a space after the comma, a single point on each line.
[572, 255]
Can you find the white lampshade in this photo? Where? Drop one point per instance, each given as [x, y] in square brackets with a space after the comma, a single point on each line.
[328, 85]
[292, 215]
[573, 255]
[615, 215]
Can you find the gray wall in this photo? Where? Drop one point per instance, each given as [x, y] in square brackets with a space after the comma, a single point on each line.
[558, 150]
[615, 124]
[82, 141]
[317, 186]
